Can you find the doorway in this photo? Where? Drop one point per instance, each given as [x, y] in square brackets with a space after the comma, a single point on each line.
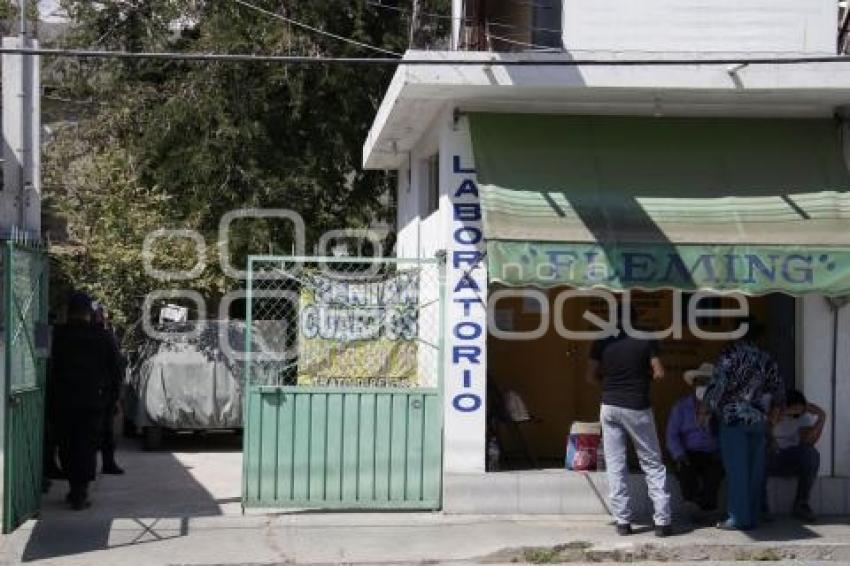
[548, 374]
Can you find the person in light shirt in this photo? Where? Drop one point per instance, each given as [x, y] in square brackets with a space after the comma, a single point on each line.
[792, 452]
[692, 445]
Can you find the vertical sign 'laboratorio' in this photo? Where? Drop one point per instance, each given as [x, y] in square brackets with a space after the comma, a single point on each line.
[467, 290]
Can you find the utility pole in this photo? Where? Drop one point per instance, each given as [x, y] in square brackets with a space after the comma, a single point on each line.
[20, 200]
[415, 36]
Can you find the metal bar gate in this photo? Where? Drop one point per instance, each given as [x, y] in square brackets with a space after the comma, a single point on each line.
[343, 371]
[24, 307]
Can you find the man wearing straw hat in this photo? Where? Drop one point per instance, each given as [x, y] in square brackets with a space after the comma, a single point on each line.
[692, 445]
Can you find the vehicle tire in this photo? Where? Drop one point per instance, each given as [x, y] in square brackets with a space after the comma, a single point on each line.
[128, 428]
[152, 438]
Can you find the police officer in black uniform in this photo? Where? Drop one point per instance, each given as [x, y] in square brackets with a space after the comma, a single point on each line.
[85, 363]
[107, 431]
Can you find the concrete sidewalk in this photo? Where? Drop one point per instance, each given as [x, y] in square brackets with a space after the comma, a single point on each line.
[398, 539]
[183, 507]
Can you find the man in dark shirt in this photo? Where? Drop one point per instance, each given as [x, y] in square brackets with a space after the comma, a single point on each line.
[84, 363]
[626, 366]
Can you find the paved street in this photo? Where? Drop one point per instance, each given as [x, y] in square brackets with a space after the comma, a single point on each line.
[182, 507]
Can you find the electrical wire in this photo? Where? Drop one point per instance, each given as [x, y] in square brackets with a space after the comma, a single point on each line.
[540, 48]
[395, 61]
[316, 30]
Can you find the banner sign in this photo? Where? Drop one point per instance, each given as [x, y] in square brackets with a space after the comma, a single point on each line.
[361, 332]
[749, 269]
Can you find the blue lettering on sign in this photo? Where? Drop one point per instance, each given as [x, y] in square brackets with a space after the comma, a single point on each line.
[731, 263]
[467, 378]
[467, 212]
[798, 269]
[469, 235]
[467, 402]
[468, 187]
[755, 263]
[468, 331]
[466, 292]
[467, 303]
[469, 259]
[470, 353]
[466, 282]
[638, 267]
[644, 267]
[458, 170]
[675, 263]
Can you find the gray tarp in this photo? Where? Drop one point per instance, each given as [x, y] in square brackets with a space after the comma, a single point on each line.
[189, 383]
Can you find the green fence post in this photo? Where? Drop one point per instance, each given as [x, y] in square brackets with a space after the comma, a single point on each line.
[246, 378]
[441, 370]
[8, 322]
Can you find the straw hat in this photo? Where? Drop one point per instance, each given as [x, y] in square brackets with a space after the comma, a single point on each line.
[702, 373]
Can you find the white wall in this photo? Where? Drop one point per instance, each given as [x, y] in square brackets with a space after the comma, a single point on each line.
[420, 235]
[407, 217]
[464, 355]
[815, 376]
[20, 200]
[465, 375]
[800, 26]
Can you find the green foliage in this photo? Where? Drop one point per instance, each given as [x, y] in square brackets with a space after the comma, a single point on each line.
[169, 144]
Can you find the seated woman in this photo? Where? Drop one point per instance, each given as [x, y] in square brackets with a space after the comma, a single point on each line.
[792, 451]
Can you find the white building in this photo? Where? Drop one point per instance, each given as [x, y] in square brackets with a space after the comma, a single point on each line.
[645, 162]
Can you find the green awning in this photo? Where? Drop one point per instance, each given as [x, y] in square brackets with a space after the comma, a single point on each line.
[753, 205]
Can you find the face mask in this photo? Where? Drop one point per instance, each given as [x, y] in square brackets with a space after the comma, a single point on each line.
[700, 392]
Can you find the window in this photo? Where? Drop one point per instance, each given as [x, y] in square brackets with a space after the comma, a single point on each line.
[546, 24]
[432, 184]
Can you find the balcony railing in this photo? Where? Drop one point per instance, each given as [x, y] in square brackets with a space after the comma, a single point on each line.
[537, 25]
[511, 25]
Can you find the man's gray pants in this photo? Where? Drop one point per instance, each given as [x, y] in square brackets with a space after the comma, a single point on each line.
[618, 424]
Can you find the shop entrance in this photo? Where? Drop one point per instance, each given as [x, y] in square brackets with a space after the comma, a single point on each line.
[537, 388]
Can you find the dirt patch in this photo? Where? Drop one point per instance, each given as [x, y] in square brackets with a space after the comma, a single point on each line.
[581, 551]
[558, 554]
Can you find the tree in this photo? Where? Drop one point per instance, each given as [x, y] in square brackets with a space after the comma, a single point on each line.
[169, 144]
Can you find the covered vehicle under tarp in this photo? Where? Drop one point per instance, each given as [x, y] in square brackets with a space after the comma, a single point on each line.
[189, 381]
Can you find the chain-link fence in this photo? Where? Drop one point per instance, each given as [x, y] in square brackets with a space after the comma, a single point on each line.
[26, 311]
[344, 322]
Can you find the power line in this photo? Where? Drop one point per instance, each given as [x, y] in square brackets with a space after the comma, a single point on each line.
[540, 48]
[316, 30]
[395, 61]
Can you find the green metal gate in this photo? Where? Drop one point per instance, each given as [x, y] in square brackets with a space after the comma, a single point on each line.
[24, 308]
[352, 423]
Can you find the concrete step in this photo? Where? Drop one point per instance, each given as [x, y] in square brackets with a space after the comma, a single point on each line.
[580, 493]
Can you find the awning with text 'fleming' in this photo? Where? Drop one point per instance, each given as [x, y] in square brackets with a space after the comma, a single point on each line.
[726, 204]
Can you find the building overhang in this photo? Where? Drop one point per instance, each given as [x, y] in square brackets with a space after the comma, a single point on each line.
[418, 93]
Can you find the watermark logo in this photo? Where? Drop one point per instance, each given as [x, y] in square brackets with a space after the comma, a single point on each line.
[612, 314]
